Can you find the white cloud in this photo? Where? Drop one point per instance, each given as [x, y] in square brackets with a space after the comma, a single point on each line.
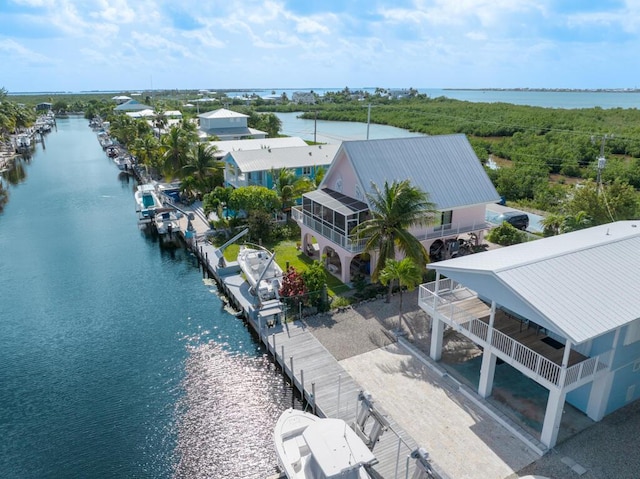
[17, 51]
[428, 43]
[115, 11]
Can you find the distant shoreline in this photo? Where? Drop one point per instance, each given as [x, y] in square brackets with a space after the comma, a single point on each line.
[551, 90]
[226, 90]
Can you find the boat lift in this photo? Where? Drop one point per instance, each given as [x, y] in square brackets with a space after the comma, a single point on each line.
[219, 251]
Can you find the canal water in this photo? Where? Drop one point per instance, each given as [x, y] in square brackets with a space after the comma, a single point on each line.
[337, 131]
[117, 360]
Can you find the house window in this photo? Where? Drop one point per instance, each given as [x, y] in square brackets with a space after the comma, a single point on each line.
[633, 333]
[445, 218]
[306, 170]
[339, 222]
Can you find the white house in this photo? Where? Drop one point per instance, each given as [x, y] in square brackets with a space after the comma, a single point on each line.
[227, 125]
[445, 167]
[253, 167]
[564, 311]
[304, 97]
[120, 99]
[224, 147]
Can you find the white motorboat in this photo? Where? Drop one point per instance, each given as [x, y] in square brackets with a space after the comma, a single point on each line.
[261, 271]
[147, 200]
[167, 221]
[310, 447]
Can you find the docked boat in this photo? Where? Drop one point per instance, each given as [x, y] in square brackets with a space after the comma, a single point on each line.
[167, 221]
[121, 162]
[261, 271]
[147, 200]
[309, 447]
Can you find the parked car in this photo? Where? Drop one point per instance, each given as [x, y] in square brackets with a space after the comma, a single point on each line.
[516, 219]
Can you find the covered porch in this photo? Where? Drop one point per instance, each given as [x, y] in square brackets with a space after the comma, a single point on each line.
[502, 336]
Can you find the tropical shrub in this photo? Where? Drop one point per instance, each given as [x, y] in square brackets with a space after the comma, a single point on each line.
[506, 235]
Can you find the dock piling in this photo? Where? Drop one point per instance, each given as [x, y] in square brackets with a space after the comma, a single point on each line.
[293, 379]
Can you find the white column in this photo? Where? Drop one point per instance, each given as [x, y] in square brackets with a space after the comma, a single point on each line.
[552, 417]
[345, 263]
[437, 333]
[488, 369]
[487, 373]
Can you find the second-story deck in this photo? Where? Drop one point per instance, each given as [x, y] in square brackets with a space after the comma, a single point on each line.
[355, 245]
[522, 344]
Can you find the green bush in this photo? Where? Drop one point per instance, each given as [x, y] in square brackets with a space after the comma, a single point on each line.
[341, 302]
[506, 235]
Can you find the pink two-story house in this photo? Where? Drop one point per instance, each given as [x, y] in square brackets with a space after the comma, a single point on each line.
[445, 167]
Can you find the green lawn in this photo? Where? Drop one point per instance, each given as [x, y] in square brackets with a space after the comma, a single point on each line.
[287, 253]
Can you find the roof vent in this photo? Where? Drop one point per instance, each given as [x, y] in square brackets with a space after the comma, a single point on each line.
[309, 153]
[269, 150]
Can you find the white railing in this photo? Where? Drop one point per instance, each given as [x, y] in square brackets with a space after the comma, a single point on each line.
[356, 245]
[587, 368]
[508, 349]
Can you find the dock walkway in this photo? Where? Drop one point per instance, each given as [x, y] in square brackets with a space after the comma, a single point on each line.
[326, 387]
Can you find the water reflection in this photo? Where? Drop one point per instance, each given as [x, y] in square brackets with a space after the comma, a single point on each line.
[4, 196]
[16, 172]
[226, 416]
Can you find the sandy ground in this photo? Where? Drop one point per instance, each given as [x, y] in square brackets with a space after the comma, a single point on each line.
[460, 437]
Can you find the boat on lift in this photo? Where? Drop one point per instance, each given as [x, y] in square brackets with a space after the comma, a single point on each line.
[262, 273]
[167, 221]
[147, 200]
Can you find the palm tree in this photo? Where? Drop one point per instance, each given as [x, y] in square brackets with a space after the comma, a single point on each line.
[203, 166]
[146, 149]
[393, 210]
[124, 129]
[552, 224]
[579, 221]
[160, 120]
[406, 273]
[175, 146]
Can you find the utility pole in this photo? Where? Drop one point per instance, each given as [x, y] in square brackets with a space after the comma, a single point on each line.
[368, 119]
[315, 126]
[602, 161]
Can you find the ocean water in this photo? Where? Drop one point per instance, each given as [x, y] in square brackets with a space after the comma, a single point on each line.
[117, 360]
[546, 99]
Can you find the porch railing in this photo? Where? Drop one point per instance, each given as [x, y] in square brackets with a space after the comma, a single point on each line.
[535, 365]
[354, 245]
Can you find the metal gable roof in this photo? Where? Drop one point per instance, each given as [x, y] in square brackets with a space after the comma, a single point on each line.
[583, 283]
[222, 113]
[444, 166]
[288, 157]
[226, 146]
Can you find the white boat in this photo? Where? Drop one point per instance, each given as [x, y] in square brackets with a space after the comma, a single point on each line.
[121, 162]
[147, 200]
[167, 221]
[261, 271]
[310, 447]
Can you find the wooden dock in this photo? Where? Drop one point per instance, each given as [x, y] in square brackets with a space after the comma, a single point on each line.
[326, 388]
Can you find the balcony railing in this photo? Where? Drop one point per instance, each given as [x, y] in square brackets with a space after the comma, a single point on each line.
[533, 364]
[355, 245]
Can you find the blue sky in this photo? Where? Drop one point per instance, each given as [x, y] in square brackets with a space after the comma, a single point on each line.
[73, 45]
